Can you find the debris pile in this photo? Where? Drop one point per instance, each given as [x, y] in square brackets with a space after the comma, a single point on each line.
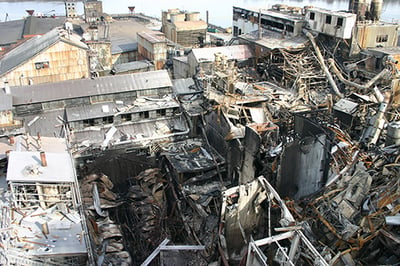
[99, 201]
[143, 214]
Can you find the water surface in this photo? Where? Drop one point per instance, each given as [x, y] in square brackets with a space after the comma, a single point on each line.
[220, 12]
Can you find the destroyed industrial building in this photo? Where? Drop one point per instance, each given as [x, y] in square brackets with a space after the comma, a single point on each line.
[281, 148]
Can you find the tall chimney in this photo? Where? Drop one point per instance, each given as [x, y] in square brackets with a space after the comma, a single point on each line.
[376, 9]
[43, 158]
[259, 25]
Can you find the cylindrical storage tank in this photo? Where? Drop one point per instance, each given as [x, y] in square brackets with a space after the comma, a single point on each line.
[194, 16]
[360, 7]
[376, 9]
[177, 17]
[393, 133]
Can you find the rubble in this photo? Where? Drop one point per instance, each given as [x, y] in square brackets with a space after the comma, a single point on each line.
[277, 151]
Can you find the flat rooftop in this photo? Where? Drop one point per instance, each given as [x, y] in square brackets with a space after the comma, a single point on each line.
[26, 167]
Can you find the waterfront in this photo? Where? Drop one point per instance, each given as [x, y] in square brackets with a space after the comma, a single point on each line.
[220, 11]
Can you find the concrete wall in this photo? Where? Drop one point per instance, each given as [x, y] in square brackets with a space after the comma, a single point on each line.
[170, 31]
[93, 11]
[190, 38]
[153, 51]
[65, 62]
[103, 53]
[181, 69]
[247, 21]
[372, 35]
[70, 9]
[244, 26]
[124, 57]
[187, 36]
[340, 26]
[6, 118]
[193, 64]
[377, 35]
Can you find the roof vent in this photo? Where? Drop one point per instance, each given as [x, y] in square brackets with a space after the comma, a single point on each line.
[43, 158]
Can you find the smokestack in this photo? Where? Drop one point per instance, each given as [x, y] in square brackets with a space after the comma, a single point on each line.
[43, 158]
[361, 8]
[259, 25]
[207, 18]
[376, 9]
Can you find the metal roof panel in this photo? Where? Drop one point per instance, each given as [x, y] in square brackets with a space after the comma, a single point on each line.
[89, 87]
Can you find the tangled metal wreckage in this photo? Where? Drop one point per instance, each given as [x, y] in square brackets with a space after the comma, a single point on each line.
[294, 161]
[298, 170]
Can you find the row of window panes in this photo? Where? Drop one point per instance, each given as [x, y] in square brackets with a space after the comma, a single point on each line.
[126, 117]
[328, 19]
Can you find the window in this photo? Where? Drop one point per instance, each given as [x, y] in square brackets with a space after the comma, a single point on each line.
[382, 38]
[339, 22]
[161, 112]
[108, 120]
[312, 15]
[328, 19]
[144, 114]
[126, 117]
[40, 65]
[235, 31]
[88, 122]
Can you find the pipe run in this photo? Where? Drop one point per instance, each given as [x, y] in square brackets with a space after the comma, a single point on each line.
[367, 85]
[324, 67]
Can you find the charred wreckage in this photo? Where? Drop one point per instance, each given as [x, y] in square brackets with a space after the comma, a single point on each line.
[288, 157]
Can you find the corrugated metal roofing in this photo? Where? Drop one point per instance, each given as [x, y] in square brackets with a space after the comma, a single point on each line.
[184, 86]
[88, 87]
[30, 48]
[183, 59]
[34, 25]
[273, 40]
[146, 129]
[90, 111]
[93, 111]
[131, 66]
[153, 36]
[238, 52]
[122, 45]
[11, 31]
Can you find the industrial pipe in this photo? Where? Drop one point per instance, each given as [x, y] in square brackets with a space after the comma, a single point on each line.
[324, 67]
[353, 84]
